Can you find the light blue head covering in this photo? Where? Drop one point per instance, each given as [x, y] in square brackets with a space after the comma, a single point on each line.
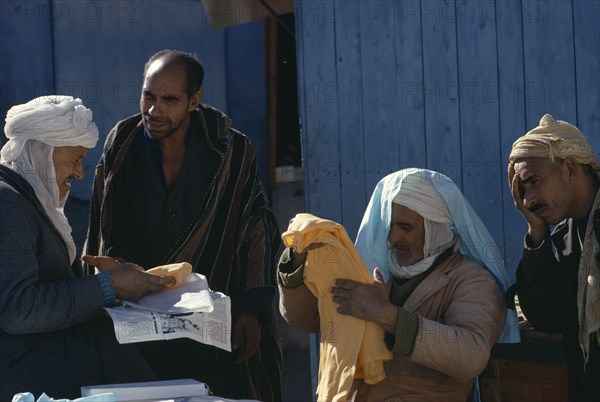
[476, 242]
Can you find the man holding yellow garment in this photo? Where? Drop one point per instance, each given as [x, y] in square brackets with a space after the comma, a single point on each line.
[437, 290]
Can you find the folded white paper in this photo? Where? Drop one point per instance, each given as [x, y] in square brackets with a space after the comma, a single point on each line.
[193, 295]
[133, 324]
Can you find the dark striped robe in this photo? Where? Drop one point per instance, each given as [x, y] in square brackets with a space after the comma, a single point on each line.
[233, 241]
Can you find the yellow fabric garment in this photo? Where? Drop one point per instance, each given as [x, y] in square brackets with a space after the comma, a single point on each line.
[350, 348]
[179, 271]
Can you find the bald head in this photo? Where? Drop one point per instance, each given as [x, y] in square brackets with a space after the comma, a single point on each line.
[193, 68]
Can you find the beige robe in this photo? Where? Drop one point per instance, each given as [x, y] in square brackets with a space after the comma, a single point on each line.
[461, 314]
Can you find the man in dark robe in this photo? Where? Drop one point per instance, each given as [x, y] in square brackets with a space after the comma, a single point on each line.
[177, 183]
[555, 183]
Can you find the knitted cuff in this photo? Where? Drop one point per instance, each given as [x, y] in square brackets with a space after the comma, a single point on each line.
[106, 285]
[288, 276]
[406, 333]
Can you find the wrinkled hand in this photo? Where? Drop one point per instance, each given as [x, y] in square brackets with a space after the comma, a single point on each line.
[130, 281]
[537, 227]
[103, 263]
[300, 258]
[367, 302]
[246, 336]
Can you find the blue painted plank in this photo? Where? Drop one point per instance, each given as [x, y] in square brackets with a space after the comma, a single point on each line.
[587, 59]
[246, 88]
[479, 115]
[441, 88]
[107, 74]
[409, 85]
[350, 115]
[302, 116]
[379, 104]
[26, 60]
[303, 42]
[319, 112]
[549, 60]
[511, 86]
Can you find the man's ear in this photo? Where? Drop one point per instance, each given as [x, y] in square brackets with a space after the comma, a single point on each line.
[196, 99]
[571, 166]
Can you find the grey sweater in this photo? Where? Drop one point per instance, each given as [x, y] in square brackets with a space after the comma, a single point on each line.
[53, 337]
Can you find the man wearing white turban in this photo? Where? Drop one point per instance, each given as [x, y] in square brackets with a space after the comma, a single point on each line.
[437, 293]
[53, 337]
[555, 180]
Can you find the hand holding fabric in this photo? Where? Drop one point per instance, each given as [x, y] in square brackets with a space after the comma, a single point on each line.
[102, 263]
[130, 281]
[369, 302]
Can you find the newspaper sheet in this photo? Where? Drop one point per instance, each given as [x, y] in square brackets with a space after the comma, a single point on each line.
[211, 328]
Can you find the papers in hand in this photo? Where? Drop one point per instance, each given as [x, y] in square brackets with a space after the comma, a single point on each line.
[191, 296]
[191, 310]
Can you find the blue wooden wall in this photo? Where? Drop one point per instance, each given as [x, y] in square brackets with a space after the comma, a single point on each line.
[95, 50]
[442, 84]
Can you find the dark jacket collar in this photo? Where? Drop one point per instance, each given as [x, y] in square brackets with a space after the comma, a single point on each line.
[21, 185]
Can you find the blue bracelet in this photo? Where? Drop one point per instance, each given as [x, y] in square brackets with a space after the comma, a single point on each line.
[108, 290]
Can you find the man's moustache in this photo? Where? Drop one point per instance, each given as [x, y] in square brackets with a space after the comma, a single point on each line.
[155, 120]
[398, 247]
[536, 208]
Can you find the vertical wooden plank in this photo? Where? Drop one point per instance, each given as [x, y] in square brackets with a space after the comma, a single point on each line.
[549, 60]
[379, 106]
[108, 75]
[246, 88]
[319, 114]
[306, 161]
[26, 59]
[587, 60]
[511, 85]
[354, 195]
[409, 85]
[441, 88]
[478, 100]
[271, 94]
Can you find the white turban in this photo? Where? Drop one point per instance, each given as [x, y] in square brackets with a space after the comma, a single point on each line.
[419, 194]
[33, 130]
[554, 139]
[471, 234]
[55, 120]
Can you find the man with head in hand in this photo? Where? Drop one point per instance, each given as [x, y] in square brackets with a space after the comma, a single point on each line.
[555, 181]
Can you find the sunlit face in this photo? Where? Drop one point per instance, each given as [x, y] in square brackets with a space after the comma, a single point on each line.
[407, 235]
[165, 104]
[545, 188]
[68, 165]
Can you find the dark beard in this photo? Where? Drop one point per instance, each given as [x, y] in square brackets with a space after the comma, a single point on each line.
[163, 135]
